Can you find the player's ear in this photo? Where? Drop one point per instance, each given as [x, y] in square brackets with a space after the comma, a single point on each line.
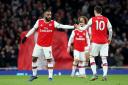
[44, 15]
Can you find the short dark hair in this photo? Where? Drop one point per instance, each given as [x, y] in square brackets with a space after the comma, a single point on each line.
[47, 10]
[98, 9]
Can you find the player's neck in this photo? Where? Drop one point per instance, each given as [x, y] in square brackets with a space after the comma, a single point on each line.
[46, 21]
[80, 30]
[98, 15]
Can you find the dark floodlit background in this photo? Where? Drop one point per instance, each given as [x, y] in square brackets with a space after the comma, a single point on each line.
[17, 16]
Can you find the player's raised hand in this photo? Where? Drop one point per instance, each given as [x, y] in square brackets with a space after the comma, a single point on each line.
[24, 39]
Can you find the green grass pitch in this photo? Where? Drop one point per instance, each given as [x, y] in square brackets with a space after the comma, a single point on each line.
[63, 80]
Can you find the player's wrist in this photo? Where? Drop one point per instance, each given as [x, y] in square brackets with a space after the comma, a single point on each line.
[109, 39]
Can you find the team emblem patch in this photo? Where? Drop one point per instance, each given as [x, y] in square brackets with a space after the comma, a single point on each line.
[50, 24]
[77, 34]
[83, 33]
[41, 25]
[45, 28]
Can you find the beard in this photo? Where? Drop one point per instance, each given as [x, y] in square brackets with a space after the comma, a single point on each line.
[47, 19]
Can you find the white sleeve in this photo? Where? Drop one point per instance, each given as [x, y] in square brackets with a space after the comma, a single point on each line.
[87, 38]
[71, 39]
[109, 26]
[88, 24]
[31, 31]
[58, 25]
[89, 31]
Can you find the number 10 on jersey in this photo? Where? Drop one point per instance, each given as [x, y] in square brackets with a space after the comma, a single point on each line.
[100, 25]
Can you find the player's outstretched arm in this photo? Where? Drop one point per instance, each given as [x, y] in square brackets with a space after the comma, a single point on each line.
[30, 32]
[58, 25]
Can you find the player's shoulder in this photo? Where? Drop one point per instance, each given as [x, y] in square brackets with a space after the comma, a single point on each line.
[75, 30]
[53, 21]
[100, 17]
[105, 17]
[40, 20]
[93, 17]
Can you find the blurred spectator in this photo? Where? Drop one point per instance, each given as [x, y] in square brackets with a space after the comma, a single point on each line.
[119, 57]
[17, 16]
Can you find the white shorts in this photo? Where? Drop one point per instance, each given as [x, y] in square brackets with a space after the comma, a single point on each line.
[99, 48]
[86, 49]
[40, 51]
[79, 55]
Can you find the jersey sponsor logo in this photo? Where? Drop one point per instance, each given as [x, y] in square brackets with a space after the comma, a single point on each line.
[41, 25]
[80, 38]
[50, 24]
[45, 30]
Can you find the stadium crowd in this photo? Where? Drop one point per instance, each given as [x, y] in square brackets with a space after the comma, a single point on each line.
[17, 16]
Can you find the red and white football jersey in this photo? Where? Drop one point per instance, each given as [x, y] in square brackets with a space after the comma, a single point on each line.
[99, 30]
[80, 39]
[45, 32]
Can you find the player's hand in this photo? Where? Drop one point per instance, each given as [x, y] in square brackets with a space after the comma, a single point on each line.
[78, 26]
[68, 49]
[109, 41]
[24, 39]
[75, 25]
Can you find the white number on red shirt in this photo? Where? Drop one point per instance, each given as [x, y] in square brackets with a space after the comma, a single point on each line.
[100, 25]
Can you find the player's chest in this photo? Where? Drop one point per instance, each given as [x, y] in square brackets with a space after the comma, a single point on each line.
[80, 34]
[46, 27]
